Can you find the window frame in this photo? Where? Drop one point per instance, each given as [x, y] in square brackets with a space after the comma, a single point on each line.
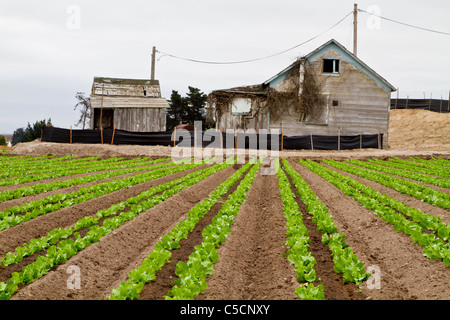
[334, 72]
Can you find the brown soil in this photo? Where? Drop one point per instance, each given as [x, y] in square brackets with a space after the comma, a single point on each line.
[432, 186]
[251, 265]
[22, 200]
[12, 237]
[406, 199]
[157, 289]
[405, 272]
[106, 263]
[419, 130]
[332, 282]
[42, 148]
[62, 178]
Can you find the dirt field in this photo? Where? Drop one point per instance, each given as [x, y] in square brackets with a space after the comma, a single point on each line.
[251, 265]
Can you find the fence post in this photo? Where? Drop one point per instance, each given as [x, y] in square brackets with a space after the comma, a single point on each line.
[440, 107]
[379, 140]
[114, 131]
[221, 138]
[396, 100]
[339, 138]
[101, 133]
[312, 144]
[70, 134]
[360, 140]
[448, 102]
[174, 136]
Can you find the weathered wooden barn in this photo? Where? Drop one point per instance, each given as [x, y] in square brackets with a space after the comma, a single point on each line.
[128, 104]
[329, 92]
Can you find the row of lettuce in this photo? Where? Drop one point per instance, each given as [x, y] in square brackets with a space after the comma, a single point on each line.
[426, 230]
[60, 246]
[55, 169]
[20, 213]
[62, 243]
[107, 171]
[192, 274]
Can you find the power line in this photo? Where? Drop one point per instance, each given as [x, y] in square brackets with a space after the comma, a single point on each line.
[256, 59]
[405, 24]
[298, 45]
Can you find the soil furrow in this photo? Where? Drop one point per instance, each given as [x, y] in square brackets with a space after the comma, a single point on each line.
[106, 263]
[334, 287]
[432, 186]
[14, 236]
[404, 272]
[408, 200]
[23, 200]
[251, 265]
[158, 288]
[62, 178]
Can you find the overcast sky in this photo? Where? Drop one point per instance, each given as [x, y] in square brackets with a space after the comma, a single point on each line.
[50, 50]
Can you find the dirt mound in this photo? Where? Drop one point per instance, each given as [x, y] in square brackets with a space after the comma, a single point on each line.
[417, 129]
[86, 150]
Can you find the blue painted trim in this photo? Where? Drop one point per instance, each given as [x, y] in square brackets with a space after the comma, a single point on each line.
[279, 77]
[346, 55]
[350, 58]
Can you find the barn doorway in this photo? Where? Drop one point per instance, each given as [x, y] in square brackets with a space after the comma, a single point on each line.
[107, 118]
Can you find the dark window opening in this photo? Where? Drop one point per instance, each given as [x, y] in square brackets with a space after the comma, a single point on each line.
[327, 65]
[335, 103]
[330, 66]
[103, 118]
[145, 92]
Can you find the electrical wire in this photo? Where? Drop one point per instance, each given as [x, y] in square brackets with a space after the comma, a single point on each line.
[296, 46]
[256, 59]
[405, 24]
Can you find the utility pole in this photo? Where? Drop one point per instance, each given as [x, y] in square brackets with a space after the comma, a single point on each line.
[355, 28]
[153, 63]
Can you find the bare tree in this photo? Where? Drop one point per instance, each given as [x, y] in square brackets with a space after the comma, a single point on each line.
[85, 109]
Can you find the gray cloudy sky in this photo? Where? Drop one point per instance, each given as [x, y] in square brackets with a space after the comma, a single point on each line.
[49, 50]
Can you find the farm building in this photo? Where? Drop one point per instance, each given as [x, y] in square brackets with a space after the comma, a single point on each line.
[328, 92]
[128, 104]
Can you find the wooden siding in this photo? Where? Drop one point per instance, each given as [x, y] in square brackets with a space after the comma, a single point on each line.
[140, 119]
[127, 102]
[363, 105]
[253, 120]
[140, 114]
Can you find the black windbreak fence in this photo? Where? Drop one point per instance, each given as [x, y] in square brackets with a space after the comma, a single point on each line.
[436, 105]
[214, 139]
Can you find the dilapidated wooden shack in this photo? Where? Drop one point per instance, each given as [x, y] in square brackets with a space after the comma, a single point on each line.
[128, 104]
[329, 92]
